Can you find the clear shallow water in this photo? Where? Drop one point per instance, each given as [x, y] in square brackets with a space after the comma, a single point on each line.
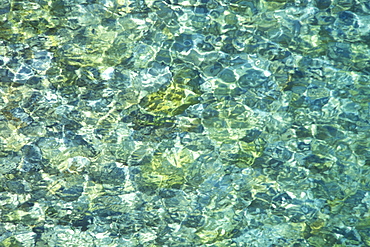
[133, 123]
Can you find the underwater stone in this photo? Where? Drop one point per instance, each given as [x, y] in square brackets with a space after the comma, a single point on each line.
[347, 18]
[322, 4]
[164, 56]
[35, 82]
[184, 42]
[251, 135]
[35, 98]
[205, 46]
[344, 4]
[70, 124]
[167, 193]
[9, 161]
[194, 221]
[231, 19]
[199, 22]
[15, 187]
[19, 113]
[6, 75]
[213, 28]
[83, 222]
[33, 129]
[227, 75]
[108, 174]
[251, 78]
[317, 104]
[201, 9]
[71, 194]
[31, 153]
[212, 70]
[229, 48]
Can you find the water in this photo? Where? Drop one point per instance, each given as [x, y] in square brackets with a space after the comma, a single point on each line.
[184, 123]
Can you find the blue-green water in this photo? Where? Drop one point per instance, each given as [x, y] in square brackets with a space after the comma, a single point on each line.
[184, 123]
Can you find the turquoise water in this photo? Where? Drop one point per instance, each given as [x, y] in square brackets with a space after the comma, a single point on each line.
[184, 123]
